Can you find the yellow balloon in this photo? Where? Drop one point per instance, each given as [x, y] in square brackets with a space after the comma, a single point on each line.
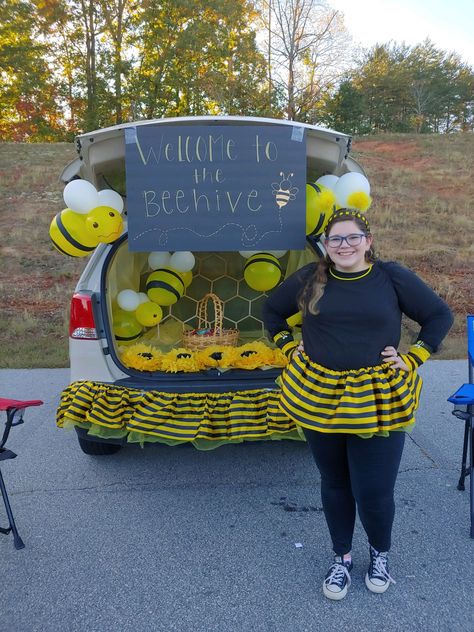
[104, 223]
[320, 203]
[69, 234]
[262, 271]
[125, 326]
[165, 286]
[148, 314]
[187, 277]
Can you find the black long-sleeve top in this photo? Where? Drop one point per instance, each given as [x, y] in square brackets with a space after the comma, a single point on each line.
[359, 315]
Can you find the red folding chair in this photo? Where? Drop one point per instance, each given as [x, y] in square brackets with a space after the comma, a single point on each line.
[15, 410]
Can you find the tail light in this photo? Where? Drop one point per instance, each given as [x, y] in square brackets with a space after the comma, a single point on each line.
[81, 322]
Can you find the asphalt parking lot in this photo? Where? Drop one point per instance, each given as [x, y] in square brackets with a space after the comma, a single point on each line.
[230, 540]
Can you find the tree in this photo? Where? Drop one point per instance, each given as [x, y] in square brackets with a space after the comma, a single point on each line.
[196, 58]
[118, 16]
[346, 111]
[406, 89]
[28, 91]
[306, 48]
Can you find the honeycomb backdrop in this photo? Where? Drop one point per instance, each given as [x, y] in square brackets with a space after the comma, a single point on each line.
[220, 273]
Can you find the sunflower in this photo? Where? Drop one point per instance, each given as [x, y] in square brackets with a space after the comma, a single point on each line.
[141, 357]
[180, 360]
[253, 355]
[222, 356]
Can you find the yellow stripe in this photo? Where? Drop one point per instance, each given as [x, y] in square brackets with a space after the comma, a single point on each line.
[356, 375]
[355, 431]
[420, 352]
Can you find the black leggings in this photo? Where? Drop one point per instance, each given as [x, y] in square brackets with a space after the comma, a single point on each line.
[360, 472]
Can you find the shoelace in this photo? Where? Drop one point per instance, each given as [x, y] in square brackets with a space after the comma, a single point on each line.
[337, 573]
[380, 567]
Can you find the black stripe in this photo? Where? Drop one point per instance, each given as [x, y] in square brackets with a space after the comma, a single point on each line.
[103, 421]
[68, 237]
[319, 226]
[172, 273]
[172, 435]
[60, 249]
[129, 338]
[312, 423]
[163, 285]
[315, 186]
[185, 424]
[274, 262]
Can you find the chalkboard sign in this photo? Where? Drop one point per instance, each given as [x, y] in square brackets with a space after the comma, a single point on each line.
[215, 187]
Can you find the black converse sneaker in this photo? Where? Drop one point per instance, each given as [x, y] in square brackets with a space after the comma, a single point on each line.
[378, 577]
[337, 579]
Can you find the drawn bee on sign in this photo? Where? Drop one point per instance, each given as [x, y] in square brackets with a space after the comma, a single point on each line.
[283, 191]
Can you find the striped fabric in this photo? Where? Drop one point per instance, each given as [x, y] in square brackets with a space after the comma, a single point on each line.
[417, 354]
[285, 342]
[357, 401]
[183, 416]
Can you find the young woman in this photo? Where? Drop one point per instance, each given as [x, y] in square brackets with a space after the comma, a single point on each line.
[347, 385]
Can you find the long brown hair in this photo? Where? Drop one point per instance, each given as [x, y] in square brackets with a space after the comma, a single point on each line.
[316, 284]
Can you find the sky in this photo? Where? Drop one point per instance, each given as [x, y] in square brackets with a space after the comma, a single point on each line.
[447, 23]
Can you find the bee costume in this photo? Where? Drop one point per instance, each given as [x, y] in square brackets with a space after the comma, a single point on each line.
[340, 383]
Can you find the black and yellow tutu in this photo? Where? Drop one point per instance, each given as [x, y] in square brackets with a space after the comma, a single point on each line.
[363, 401]
[206, 420]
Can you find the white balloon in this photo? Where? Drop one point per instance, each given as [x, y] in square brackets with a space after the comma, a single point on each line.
[158, 260]
[128, 300]
[350, 183]
[182, 261]
[81, 196]
[111, 198]
[328, 181]
[246, 254]
[278, 253]
[142, 297]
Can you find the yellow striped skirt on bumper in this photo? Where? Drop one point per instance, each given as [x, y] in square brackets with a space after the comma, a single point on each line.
[229, 416]
[368, 400]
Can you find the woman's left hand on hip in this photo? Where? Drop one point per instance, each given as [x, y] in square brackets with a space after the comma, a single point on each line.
[390, 354]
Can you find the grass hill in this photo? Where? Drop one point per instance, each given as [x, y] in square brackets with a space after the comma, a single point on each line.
[422, 216]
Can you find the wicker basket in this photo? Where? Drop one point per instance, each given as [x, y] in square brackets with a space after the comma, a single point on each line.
[228, 337]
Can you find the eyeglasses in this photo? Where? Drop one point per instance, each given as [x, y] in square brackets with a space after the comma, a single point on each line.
[351, 240]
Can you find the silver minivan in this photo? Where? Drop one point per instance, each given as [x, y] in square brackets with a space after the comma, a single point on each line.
[104, 159]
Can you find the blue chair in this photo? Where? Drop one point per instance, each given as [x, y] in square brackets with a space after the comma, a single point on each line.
[463, 400]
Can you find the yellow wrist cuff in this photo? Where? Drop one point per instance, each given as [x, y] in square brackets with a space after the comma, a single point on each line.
[282, 338]
[419, 353]
[289, 347]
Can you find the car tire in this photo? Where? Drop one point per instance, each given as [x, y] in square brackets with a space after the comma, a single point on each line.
[96, 448]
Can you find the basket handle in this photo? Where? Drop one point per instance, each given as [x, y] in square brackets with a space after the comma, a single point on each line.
[203, 319]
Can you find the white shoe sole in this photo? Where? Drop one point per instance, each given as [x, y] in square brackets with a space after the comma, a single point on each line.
[374, 587]
[335, 596]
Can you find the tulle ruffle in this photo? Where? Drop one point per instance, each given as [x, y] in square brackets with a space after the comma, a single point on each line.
[200, 418]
